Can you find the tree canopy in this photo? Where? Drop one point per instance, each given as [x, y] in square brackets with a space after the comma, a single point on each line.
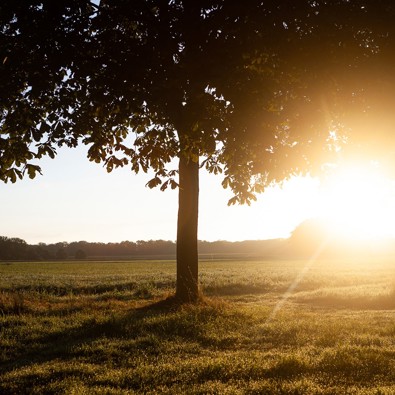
[136, 80]
[255, 90]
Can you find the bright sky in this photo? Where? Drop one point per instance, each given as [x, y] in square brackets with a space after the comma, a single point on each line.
[78, 200]
[358, 202]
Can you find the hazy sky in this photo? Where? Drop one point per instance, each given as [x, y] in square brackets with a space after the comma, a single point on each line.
[78, 200]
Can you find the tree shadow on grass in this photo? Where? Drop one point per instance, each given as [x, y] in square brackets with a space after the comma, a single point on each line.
[97, 289]
[166, 305]
[145, 330]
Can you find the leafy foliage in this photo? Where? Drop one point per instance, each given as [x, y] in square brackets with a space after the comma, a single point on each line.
[253, 88]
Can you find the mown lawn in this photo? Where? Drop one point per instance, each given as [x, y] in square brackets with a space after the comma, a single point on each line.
[264, 327]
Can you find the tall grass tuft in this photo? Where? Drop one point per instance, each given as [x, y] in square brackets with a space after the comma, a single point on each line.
[12, 303]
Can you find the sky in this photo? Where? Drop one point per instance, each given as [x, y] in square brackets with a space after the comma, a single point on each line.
[77, 200]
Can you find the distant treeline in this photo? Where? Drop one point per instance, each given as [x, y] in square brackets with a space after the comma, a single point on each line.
[310, 238]
[18, 249]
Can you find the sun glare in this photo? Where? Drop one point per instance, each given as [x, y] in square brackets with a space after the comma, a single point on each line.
[358, 204]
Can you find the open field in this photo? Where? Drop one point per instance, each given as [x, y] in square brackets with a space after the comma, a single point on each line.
[265, 327]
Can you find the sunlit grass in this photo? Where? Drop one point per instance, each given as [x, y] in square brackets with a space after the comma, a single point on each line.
[104, 328]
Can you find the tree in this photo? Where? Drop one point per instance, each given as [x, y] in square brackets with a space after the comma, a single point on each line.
[61, 254]
[13, 248]
[80, 254]
[313, 236]
[233, 87]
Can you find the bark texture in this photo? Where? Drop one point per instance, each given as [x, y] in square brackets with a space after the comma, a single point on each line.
[187, 231]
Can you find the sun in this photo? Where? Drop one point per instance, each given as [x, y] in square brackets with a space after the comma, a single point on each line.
[358, 203]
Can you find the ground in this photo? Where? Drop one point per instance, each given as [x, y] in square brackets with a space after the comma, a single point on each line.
[263, 326]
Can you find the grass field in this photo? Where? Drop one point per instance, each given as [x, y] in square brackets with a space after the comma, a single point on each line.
[264, 327]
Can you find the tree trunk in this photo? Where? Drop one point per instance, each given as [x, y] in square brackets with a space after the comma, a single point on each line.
[187, 231]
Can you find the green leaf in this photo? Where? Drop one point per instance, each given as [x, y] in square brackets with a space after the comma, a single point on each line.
[11, 175]
[51, 152]
[225, 182]
[232, 201]
[154, 182]
[173, 184]
[36, 135]
[109, 165]
[32, 170]
[164, 186]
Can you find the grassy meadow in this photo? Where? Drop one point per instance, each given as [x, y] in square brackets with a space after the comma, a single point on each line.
[263, 327]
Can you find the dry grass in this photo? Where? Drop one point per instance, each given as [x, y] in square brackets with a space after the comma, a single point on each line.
[108, 328]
